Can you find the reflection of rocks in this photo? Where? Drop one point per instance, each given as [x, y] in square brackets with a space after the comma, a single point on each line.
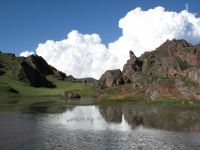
[111, 113]
[167, 118]
[173, 119]
[133, 118]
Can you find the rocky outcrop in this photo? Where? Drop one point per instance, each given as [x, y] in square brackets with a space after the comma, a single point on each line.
[38, 63]
[181, 49]
[193, 74]
[32, 76]
[188, 83]
[59, 75]
[70, 77]
[131, 68]
[111, 113]
[112, 77]
[34, 69]
[172, 70]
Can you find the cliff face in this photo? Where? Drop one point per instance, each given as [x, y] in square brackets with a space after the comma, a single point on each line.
[172, 70]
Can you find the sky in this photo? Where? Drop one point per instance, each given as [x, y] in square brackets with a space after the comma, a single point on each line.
[86, 37]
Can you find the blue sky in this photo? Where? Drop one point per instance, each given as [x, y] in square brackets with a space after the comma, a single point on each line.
[26, 23]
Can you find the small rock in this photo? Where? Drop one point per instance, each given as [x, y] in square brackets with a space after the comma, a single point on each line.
[65, 95]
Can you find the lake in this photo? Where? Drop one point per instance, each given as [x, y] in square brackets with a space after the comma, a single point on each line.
[100, 127]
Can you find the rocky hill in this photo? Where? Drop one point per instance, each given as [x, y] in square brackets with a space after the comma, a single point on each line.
[172, 70]
[32, 70]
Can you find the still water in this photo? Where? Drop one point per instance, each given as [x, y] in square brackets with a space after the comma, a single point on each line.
[102, 127]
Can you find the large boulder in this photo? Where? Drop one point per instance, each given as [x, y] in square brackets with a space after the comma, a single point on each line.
[66, 95]
[112, 77]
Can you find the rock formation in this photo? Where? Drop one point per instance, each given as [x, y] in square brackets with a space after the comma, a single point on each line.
[32, 70]
[112, 77]
[172, 70]
[31, 75]
[131, 68]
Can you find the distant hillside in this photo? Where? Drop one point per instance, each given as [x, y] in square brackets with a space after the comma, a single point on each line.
[87, 80]
[170, 71]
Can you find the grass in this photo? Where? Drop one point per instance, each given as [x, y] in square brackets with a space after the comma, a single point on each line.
[26, 90]
[8, 81]
[121, 93]
[9, 61]
[141, 98]
[178, 101]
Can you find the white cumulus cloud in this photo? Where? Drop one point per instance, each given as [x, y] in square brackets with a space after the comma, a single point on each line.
[78, 54]
[146, 30]
[26, 53]
[84, 55]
